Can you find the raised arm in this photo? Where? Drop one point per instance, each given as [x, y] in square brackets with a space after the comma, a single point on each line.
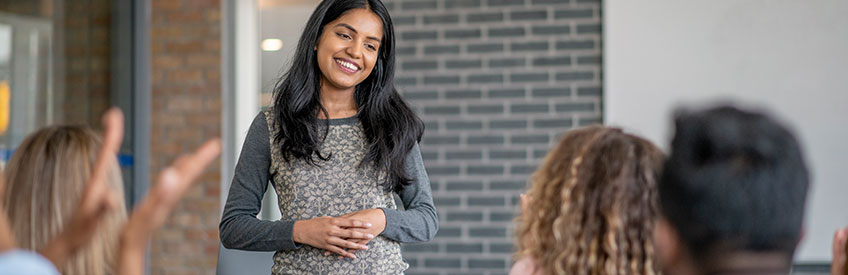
[150, 214]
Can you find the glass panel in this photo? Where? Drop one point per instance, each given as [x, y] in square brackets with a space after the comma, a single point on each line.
[280, 26]
[281, 21]
[25, 78]
[64, 62]
[5, 88]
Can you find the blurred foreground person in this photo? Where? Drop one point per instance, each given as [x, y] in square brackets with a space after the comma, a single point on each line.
[98, 200]
[591, 206]
[732, 195]
[45, 181]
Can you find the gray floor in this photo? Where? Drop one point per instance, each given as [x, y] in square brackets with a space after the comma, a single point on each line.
[237, 262]
[811, 269]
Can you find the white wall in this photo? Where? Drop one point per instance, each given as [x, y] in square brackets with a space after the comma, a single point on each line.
[788, 56]
[284, 22]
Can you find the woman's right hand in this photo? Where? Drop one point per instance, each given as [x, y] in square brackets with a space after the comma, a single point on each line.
[332, 234]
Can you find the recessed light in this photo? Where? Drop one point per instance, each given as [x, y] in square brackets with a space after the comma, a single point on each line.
[272, 45]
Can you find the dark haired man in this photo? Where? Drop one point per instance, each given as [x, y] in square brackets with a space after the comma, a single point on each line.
[732, 195]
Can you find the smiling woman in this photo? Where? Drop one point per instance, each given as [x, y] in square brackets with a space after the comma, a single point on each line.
[336, 144]
[347, 54]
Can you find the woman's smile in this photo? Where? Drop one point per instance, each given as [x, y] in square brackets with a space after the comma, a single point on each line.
[347, 65]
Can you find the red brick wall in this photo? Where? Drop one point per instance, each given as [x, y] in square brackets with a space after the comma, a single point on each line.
[186, 110]
[39, 8]
[87, 56]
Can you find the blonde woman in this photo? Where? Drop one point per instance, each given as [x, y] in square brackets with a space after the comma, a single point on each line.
[98, 202]
[591, 205]
[45, 180]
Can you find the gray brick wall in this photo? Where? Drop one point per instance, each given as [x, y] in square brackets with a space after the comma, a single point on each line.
[496, 82]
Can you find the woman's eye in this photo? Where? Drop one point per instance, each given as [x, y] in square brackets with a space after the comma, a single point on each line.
[371, 47]
[344, 35]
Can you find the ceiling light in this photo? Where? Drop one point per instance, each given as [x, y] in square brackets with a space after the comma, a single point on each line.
[272, 45]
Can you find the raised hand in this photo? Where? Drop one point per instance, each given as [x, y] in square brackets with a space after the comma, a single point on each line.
[839, 264]
[333, 234]
[151, 213]
[97, 200]
[7, 238]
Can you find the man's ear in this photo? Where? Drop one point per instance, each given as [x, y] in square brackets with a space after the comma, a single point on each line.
[667, 243]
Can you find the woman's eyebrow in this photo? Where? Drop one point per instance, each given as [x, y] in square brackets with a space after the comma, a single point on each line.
[351, 28]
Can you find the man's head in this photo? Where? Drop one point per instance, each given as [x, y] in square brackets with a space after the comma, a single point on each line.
[735, 182]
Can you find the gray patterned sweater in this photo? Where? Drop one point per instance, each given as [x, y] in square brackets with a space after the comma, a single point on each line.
[335, 187]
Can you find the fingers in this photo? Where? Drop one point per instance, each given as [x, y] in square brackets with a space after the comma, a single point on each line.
[151, 213]
[351, 234]
[360, 241]
[341, 252]
[189, 167]
[348, 239]
[97, 199]
[176, 179]
[341, 243]
[171, 184]
[344, 248]
[839, 238]
[161, 201]
[7, 238]
[350, 223]
[840, 248]
[113, 127]
[96, 189]
[168, 189]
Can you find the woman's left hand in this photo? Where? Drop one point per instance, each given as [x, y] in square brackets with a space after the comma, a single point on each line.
[376, 217]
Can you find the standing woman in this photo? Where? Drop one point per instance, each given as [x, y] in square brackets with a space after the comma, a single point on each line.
[337, 143]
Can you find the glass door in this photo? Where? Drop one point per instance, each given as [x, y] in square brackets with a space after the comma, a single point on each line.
[26, 77]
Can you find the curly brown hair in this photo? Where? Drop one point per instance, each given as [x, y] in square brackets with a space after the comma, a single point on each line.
[591, 205]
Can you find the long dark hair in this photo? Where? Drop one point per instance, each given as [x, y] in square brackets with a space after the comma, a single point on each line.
[391, 128]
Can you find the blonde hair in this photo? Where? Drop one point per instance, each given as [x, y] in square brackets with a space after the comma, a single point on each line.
[591, 205]
[45, 180]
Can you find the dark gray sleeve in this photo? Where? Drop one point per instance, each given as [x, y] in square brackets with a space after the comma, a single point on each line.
[239, 227]
[418, 222]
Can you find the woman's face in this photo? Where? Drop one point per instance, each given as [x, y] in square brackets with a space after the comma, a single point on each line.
[348, 47]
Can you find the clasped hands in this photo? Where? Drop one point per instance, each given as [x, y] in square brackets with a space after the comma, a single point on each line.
[342, 235]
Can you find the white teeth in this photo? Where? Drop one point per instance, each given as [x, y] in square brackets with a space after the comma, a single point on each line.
[347, 65]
